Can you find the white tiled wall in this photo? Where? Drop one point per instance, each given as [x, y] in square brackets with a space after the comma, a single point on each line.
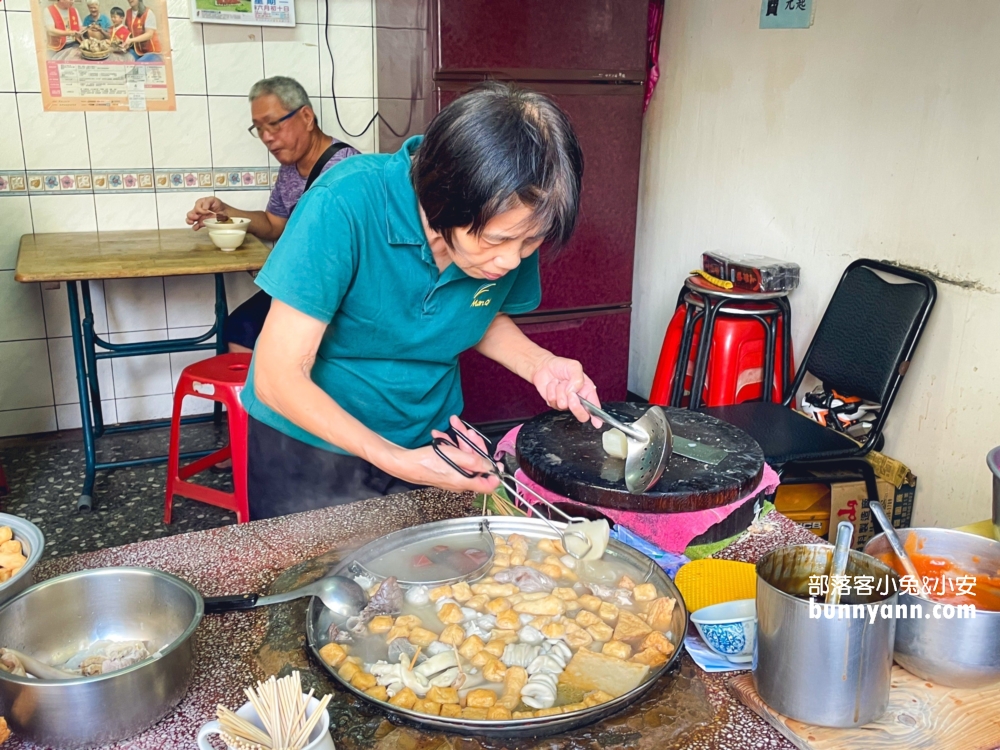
[214, 66]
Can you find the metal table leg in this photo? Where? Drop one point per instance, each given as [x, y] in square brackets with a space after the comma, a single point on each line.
[85, 356]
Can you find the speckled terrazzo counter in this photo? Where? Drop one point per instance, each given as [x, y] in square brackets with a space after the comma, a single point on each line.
[687, 709]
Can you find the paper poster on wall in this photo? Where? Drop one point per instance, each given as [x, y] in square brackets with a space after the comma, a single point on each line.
[105, 55]
[786, 14]
[249, 12]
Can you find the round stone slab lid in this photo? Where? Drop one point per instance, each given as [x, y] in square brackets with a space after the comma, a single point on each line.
[567, 457]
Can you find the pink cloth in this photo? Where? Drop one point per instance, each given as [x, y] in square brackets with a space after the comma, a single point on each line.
[672, 532]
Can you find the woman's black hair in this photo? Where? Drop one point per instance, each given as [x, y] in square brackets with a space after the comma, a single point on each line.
[494, 148]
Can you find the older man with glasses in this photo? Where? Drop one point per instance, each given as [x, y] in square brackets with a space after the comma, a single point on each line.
[283, 118]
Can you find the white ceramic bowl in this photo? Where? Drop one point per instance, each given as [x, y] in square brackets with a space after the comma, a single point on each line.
[729, 629]
[227, 239]
[32, 544]
[237, 223]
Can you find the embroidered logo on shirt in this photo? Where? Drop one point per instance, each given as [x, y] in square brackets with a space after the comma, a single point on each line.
[477, 298]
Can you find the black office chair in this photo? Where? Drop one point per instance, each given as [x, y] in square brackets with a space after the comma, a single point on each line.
[863, 348]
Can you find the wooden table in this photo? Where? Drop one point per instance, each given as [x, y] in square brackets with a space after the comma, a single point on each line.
[79, 257]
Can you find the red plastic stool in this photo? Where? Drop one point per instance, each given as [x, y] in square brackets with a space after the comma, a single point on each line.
[747, 332]
[219, 378]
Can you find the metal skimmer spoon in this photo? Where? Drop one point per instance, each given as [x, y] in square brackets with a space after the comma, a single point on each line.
[650, 443]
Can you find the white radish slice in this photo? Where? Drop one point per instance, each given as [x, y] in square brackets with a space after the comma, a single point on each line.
[598, 532]
[615, 443]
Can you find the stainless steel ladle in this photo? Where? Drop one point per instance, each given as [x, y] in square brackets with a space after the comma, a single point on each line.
[342, 596]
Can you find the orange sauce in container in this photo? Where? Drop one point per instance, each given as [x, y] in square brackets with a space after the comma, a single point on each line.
[944, 578]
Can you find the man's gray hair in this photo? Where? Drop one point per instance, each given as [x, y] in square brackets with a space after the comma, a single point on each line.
[288, 91]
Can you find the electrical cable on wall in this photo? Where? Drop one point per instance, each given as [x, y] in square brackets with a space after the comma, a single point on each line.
[333, 90]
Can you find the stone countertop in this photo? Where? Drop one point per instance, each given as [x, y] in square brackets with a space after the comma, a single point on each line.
[687, 709]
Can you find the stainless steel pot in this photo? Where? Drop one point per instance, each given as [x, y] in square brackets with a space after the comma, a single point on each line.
[993, 461]
[832, 672]
[644, 569]
[956, 652]
[32, 545]
[54, 619]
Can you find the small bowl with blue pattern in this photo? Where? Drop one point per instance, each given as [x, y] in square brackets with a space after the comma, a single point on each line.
[729, 629]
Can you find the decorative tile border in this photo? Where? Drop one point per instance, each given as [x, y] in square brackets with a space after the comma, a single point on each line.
[137, 181]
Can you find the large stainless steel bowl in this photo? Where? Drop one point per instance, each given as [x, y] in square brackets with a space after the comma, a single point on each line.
[954, 652]
[32, 545]
[54, 619]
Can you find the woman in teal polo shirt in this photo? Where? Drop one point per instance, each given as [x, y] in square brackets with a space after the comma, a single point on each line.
[389, 268]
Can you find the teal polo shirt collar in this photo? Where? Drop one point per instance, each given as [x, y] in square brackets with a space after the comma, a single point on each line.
[402, 211]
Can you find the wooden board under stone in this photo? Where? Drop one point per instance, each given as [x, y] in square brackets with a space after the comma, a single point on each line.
[920, 715]
[567, 457]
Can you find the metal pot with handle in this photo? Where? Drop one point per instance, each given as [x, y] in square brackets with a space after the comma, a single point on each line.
[993, 461]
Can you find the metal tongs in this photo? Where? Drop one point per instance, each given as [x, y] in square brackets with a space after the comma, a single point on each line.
[516, 488]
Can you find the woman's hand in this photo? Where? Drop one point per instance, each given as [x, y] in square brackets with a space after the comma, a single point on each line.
[205, 208]
[559, 380]
[424, 466]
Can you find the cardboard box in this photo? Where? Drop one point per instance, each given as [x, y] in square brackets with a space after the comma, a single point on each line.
[848, 502]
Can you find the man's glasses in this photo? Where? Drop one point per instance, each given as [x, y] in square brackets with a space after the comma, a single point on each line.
[271, 127]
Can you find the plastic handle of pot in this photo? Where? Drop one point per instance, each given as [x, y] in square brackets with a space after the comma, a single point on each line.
[212, 727]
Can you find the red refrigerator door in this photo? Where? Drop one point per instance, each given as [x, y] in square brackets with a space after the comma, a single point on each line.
[590, 39]
[599, 341]
[595, 269]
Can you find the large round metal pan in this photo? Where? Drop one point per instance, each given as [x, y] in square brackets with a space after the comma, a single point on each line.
[645, 570]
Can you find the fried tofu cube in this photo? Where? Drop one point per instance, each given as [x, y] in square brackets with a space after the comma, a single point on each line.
[552, 547]
[443, 695]
[626, 583]
[589, 670]
[601, 632]
[498, 713]
[494, 590]
[571, 627]
[658, 641]
[379, 625]
[405, 698]
[474, 714]
[451, 710]
[596, 698]
[461, 592]
[378, 692]
[364, 681]
[450, 614]
[522, 715]
[554, 711]
[501, 560]
[453, 635]
[481, 698]
[478, 602]
[554, 630]
[471, 646]
[348, 671]
[496, 648]
[565, 593]
[494, 671]
[517, 559]
[441, 592]
[508, 620]
[617, 649]
[506, 636]
[481, 659]
[590, 602]
[608, 612]
[645, 592]
[333, 654]
[630, 627]
[660, 613]
[579, 639]
[408, 621]
[422, 637]
[427, 707]
[549, 605]
[586, 618]
[11, 547]
[650, 657]
[540, 622]
[573, 707]
[496, 606]
[7, 533]
[397, 631]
